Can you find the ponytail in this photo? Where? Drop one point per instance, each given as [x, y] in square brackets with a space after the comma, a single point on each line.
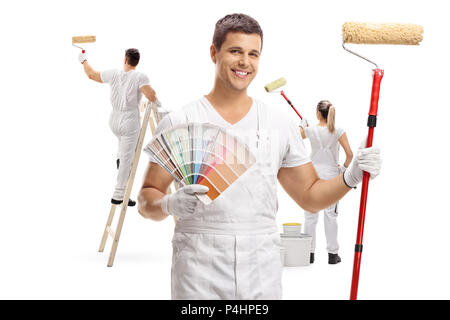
[328, 113]
[331, 119]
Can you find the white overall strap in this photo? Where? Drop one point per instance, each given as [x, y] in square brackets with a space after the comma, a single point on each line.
[261, 115]
[123, 102]
[332, 141]
[314, 132]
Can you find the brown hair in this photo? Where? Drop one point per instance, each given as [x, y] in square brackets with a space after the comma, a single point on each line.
[236, 22]
[328, 112]
[132, 56]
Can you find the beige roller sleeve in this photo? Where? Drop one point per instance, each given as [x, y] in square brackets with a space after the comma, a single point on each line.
[83, 39]
[382, 33]
[275, 84]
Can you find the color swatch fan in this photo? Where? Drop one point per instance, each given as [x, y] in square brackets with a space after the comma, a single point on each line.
[201, 154]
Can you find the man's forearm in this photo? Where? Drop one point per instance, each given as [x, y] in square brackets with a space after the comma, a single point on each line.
[149, 93]
[149, 201]
[88, 69]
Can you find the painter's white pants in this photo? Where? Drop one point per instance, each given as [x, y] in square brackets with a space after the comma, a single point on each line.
[226, 266]
[329, 217]
[126, 126]
[331, 227]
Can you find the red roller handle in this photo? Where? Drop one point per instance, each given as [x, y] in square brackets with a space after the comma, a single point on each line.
[290, 103]
[371, 123]
[377, 76]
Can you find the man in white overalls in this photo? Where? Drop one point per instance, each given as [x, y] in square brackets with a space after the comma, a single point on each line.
[230, 249]
[127, 88]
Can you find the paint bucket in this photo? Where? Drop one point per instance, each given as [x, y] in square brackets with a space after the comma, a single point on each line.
[297, 249]
[292, 228]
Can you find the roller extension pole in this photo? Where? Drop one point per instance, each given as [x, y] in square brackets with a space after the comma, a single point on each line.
[290, 103]
[371, 123]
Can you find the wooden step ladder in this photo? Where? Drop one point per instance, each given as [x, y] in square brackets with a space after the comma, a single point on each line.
[152, 116]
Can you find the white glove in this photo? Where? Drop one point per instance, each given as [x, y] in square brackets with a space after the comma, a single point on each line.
[183, 202]
[82, 57]
[303, 123]
[367, 159]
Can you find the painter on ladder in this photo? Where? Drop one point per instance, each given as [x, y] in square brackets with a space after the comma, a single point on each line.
[230, 249]
[325, 140]
[127, 86]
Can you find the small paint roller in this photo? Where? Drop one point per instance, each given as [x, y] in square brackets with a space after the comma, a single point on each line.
[277, 84]
[373, 33]
[82, 39]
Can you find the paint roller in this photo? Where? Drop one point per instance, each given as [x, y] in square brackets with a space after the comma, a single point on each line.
[277, 84]
[82, 39]
[373, 33]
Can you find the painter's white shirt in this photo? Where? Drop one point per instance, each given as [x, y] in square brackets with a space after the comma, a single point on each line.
[288, 147]
[125, 93]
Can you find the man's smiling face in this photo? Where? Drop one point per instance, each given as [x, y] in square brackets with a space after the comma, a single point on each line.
[238, 59]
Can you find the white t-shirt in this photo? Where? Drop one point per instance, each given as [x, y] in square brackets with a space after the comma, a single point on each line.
[289, 150]
[125, 93]
[326, 137]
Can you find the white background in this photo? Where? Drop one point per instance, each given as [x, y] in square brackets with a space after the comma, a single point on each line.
[57, 151]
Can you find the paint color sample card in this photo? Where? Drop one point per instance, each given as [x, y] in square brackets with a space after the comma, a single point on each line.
[203, 154]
